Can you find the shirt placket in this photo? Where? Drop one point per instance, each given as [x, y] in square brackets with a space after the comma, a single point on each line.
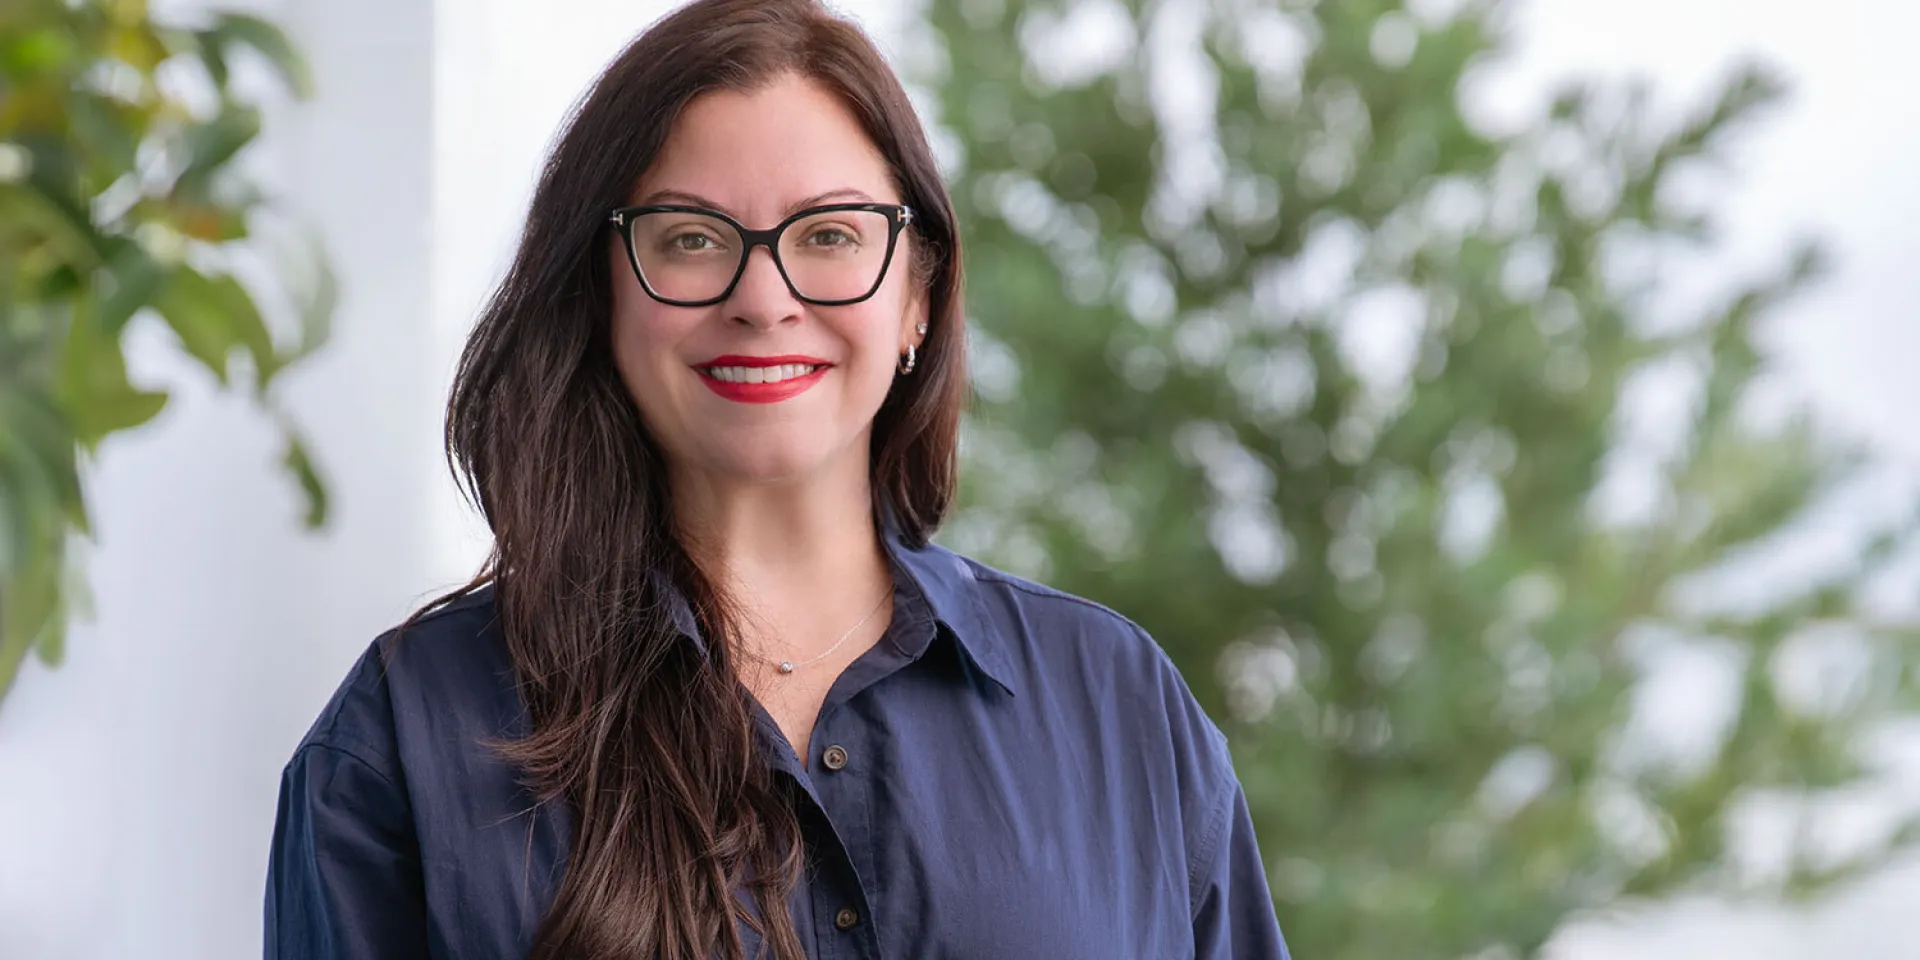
[844, 910]
[834, 908]
[836, 793]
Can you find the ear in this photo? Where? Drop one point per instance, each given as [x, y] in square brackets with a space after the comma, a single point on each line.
[914, 319]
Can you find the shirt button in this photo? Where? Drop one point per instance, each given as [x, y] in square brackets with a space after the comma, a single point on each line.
[846, 918]
[835, 758]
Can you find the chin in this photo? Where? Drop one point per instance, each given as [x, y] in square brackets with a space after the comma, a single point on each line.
[770, 464]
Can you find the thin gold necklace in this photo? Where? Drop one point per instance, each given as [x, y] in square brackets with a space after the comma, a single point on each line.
[786, 667]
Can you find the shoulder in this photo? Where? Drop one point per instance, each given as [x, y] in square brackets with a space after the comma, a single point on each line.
[1079, 649]
[454, 646]
[1056, 625]
[1100, 676]
[1011, 588]
[451, 652]
[969, 593]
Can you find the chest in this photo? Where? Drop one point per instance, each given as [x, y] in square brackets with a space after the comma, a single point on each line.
[794, 699]
[991, 834]
[793, 702]
[941, 823]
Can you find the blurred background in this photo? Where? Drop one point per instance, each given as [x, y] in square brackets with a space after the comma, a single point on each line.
[1502, 410]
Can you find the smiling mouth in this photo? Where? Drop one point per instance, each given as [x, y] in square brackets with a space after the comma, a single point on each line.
[775, 374]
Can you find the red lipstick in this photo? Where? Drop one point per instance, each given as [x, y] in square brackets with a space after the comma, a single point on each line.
[747, 392]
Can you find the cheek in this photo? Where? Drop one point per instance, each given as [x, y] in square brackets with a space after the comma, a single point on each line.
[875, 336]
[639, 340]
[644, 343]
[642, 329]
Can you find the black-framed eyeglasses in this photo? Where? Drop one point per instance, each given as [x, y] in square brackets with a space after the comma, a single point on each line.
[829, 255]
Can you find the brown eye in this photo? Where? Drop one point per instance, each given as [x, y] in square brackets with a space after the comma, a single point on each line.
[832, 238]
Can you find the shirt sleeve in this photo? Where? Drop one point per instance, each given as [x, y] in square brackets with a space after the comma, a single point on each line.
[344, 879]
[1233, 908]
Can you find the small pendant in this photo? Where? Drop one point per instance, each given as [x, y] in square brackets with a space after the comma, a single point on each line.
[786, 666]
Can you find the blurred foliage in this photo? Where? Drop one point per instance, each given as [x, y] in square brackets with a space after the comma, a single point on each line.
[1341, 394]
[121, 191]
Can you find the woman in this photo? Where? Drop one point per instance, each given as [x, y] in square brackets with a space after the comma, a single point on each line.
[715, 692]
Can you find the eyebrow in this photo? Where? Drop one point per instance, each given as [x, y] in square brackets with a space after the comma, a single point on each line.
[695, 200]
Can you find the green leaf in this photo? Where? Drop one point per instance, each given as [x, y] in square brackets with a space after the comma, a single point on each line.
[213, 55]
[136, 277]
[190, 306]
[269, 41]
[13, 650]
[107, 414]
[26, 501]
[248, 326]
[93, 388]
[319, 298]
[211, 145]
[53, 642]
[43, 440]
[33, 211]
[107, 137]
[316, 291]
[29, 586]
[299, 462]
[31, 605]
[36, 51]
[213, 316]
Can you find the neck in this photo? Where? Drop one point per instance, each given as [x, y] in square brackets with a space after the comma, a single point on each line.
[789, 551]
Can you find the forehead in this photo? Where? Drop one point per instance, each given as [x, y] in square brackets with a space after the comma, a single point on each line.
[758, 152]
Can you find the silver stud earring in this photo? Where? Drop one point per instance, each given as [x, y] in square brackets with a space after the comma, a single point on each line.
[907, 361]
[921, 329]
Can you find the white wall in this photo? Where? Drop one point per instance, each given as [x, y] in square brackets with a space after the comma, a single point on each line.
[139, 779]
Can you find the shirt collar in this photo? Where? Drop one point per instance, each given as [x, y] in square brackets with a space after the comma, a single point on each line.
[947, 583]
[680, 610]
[941, 577]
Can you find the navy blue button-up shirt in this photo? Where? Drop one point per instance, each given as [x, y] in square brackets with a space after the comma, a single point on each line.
[1010, 772]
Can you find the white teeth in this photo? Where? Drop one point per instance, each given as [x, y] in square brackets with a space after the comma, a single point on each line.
[777, 374]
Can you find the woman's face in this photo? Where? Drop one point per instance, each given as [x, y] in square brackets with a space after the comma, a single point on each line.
[762, 386]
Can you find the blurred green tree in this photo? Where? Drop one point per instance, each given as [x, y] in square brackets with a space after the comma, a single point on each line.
[122, 190]
[1347, 399]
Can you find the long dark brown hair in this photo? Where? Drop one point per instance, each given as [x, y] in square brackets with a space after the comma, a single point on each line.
[647, 737]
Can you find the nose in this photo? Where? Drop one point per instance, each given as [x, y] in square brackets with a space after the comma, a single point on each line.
[762, 299]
